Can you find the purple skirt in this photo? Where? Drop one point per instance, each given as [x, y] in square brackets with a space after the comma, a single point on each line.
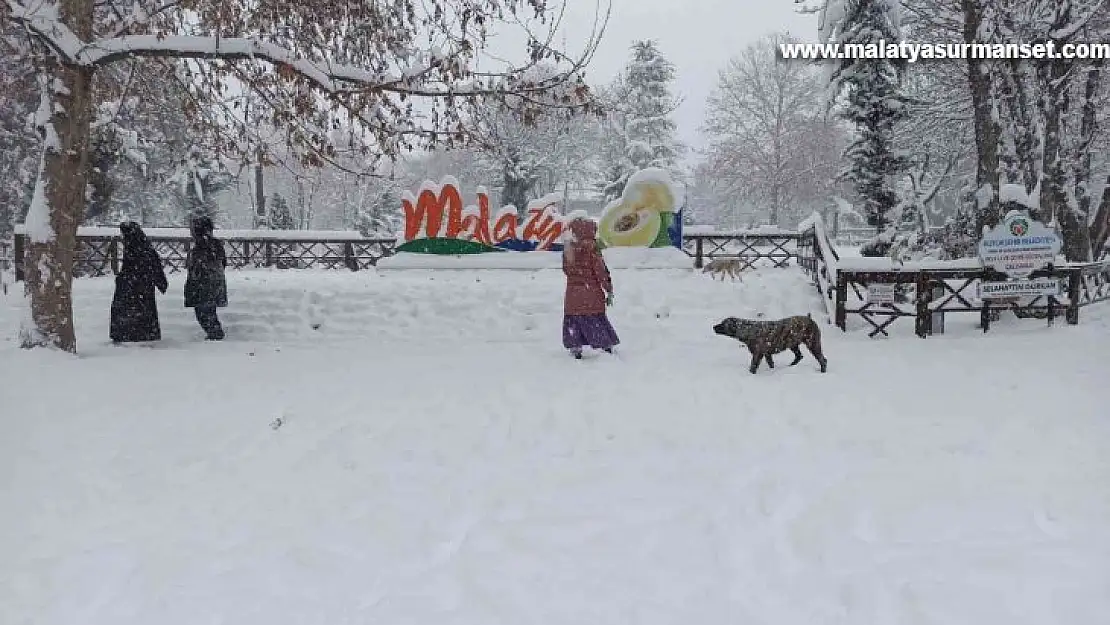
[592, 330]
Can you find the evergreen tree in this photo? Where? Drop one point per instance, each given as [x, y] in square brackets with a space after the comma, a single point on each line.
[380, 216]
[874, 104]
[640, 128]
[281, 216]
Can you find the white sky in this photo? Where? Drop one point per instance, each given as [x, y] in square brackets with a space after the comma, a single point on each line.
[698, 36]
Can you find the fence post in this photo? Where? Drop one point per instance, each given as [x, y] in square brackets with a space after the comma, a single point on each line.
[985, 316]
[17, 257]
[269, 253]
[924, 321]
[698, 253]
[349, 256]
[1075, 280]
[841, 297]
[936, 318]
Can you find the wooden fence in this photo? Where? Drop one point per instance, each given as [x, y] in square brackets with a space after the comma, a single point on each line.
[7, 263]
[752, 248]
[99, 253]
[927, 294]
[7, 255]
[99, 250]
[818, 257]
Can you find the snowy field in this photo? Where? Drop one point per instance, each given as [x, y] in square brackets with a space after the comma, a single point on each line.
[439, 460]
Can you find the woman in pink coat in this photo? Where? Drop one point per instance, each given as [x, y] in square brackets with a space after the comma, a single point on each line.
[589, 291]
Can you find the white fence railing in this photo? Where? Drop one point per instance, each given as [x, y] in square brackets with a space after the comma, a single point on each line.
[819, 258]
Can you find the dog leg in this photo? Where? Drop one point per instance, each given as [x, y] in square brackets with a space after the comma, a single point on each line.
[756, 358]
[770, 362]
[797, 355]
[814, 347]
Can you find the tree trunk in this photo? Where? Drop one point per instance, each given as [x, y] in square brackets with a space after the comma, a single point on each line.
[775, 200]
[1023, 162]
[48, 265]
[514, 189]
[1100, 227]
[260, 220]
[987, 132]
[1088, 125]
[1083, 242]
[1054, 176]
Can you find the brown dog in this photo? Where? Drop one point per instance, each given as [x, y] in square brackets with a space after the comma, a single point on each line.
[724, 267]
[765, 338]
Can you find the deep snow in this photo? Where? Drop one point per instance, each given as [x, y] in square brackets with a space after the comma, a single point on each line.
[439, 459]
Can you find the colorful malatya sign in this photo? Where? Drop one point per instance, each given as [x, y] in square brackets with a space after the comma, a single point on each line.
[436, 222]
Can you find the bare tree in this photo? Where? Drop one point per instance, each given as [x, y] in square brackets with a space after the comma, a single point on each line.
[769, 140]
[534, 156]
[404, 74]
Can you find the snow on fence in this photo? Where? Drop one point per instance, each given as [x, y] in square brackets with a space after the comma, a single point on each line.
[927, 290]
[100, 249]
[818, 257]
[767, 246]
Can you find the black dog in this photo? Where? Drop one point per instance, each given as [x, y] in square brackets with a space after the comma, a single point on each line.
[764, 338]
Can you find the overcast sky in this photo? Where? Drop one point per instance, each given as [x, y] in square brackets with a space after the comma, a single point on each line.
[698, 36]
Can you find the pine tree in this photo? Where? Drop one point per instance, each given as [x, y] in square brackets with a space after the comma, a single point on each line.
[281, 216]
[640, 127]
[875, 105]
[380, 216]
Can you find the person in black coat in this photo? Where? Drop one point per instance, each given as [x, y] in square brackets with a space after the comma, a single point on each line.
[134, 309]
[206, 285]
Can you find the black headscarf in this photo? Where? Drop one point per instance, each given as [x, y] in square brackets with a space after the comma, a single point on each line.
[204, 244]
[135, 243]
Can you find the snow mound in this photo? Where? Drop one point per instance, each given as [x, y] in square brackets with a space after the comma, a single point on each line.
[530, 261]
[647, 258]
[503, 306]
[615, 257]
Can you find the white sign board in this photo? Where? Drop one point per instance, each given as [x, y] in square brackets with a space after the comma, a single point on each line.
[1019, 288]
[1018, 246]
[880, 293]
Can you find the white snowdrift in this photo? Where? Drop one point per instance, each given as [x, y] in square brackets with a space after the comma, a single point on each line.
[615, 258]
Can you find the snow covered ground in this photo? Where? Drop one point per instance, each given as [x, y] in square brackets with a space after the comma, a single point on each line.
[429, 454]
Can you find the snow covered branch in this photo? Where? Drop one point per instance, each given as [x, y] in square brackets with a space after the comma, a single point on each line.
[42, 19]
